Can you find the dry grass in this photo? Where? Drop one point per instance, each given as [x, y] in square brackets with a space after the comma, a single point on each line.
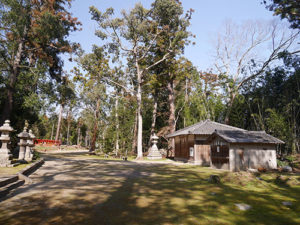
[12, 170]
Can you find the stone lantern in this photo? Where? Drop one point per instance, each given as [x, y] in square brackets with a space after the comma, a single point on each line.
[154, 152]
[24, 136]
[5, 155]
[29, 147]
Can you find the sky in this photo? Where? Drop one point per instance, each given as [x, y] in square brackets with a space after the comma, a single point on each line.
[207, 19]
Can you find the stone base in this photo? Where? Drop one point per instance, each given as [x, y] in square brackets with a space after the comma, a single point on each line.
[5, 160]
[6, 164]
[154, 155]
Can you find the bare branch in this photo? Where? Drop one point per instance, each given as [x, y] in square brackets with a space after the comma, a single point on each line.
[122, 86]
[158, 62]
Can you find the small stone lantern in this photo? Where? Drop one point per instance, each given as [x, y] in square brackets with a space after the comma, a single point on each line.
[24, 136]
[5, 154]
[154, 152]
[29, 147]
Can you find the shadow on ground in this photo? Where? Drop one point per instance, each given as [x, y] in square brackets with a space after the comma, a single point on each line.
[70, 190]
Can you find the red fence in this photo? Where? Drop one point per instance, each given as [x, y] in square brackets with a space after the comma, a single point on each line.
[46, 142]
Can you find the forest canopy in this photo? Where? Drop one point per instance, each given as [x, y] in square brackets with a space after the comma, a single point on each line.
[137, 80]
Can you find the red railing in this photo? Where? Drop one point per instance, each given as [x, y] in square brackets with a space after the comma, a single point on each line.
[46, 142]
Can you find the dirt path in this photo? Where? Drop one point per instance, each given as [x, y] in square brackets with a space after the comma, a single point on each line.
[67, 190]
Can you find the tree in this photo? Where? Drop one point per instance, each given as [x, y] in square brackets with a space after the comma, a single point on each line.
[170, 15]
[140, 32]
[236, 57]
[286, 9]
[32, 35]
[93, 90]
[272, 103]
[65, 94]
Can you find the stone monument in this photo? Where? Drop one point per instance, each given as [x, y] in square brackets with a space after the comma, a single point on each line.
[29, 147]
[24, 136]
[5, 154]
[154, 152]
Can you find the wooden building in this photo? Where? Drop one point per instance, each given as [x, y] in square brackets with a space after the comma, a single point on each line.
[190, 142]
[237, 150]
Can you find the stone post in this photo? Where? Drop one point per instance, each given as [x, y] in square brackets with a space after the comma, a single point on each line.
[5, 155]
[23, 143]
[154, 152]
[29, 147]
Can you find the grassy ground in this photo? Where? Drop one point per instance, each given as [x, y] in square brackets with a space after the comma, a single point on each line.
[184, 196]
[11, 170]
[86, 190]
[42, 148]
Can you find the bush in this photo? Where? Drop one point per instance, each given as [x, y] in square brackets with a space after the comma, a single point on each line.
[36, 155]
[282, 163]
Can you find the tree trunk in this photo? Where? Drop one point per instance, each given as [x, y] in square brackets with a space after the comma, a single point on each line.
[59, 122]
[93, 144]
[140, 123]
[186, 98]
[14, 73]
[68, 130]
[95, 130]
[78, 136]
[134, 143]
[117, 125]
[229, 108]
[139, 112]
[52, 130]
[172, 125]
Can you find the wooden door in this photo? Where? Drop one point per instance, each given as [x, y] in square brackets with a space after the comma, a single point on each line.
[220, 156]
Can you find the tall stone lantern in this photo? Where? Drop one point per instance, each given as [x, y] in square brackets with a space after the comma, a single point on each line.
[154, 152]
[5, 154]
[24, 136]
[29, 147]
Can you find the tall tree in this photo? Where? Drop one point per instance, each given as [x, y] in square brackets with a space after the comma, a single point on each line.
[169, 14]
[65, 95]
[95, 68]
[32, 33]
[135, 34]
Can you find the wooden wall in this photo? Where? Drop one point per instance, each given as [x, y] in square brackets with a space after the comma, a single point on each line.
[202, 154]
[182, 146]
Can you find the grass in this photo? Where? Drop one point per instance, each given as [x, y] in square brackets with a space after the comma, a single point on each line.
[12, 170]
[129, 158]
[53, 148]
[184, 196]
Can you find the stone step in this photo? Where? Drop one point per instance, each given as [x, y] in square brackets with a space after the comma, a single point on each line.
[6, 189]
[7, 180]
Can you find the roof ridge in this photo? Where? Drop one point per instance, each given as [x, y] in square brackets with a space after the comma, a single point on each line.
[185, 128]
[201, 123]
[225, 125]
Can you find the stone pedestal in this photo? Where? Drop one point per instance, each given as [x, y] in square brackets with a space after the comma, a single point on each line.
[29, 147]
[24, 136]
[154, 152]
[5, 154]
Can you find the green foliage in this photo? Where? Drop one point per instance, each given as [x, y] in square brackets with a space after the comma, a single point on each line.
[286, 9]
[272, 103]
[33, 34]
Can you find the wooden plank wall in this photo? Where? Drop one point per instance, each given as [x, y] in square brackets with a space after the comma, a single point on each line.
[202, 154]
[182, 146]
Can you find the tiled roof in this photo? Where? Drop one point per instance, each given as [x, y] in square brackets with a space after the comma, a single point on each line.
[205, 127]
[236, 136]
